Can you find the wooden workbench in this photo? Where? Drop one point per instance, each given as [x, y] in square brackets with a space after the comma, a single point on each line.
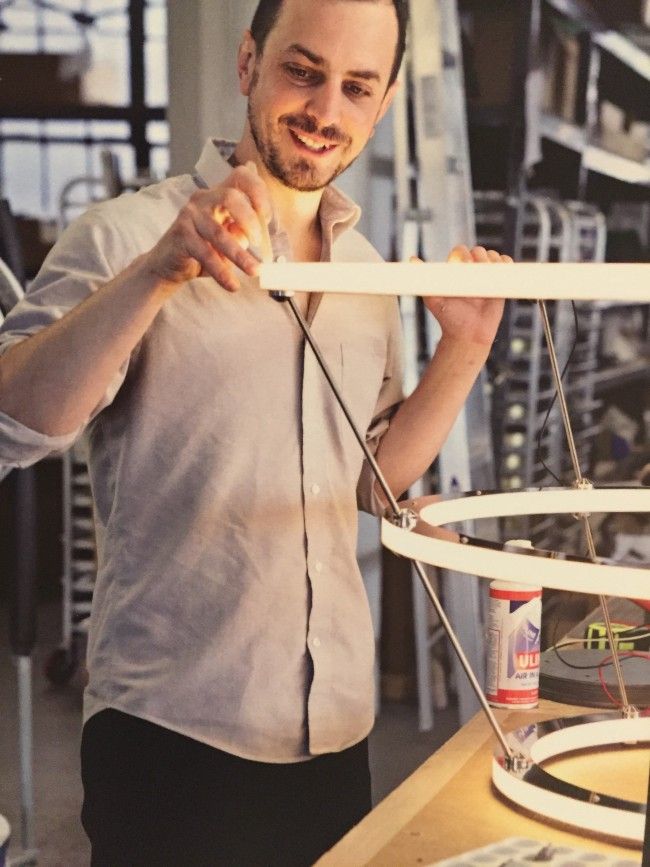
[448, 806]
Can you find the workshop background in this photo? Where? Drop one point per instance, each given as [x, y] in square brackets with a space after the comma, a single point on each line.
[98, 97]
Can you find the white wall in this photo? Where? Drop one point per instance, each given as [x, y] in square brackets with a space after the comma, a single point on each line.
[204, 97]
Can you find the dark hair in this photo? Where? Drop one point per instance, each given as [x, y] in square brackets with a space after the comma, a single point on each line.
[267, 13]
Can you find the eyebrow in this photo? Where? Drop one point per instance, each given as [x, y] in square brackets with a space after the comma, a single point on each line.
[317, 60]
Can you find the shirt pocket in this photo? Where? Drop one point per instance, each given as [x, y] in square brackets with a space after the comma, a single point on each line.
[363, 364]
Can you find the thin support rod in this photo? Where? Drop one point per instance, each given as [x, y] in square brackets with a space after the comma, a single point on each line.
[460, 653]
[397, 512]
[557, 376]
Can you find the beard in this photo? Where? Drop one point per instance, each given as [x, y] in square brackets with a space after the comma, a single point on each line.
[298, 173]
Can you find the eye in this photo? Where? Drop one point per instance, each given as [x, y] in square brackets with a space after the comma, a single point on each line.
[300, 73]
[356, 90]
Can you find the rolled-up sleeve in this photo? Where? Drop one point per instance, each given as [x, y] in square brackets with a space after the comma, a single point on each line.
[21, 446]
[88, 254]
[390, 397]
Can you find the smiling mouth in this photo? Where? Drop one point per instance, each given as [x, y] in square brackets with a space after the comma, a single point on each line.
[307, 144]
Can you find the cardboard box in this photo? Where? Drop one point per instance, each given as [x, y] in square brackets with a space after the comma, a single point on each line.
[37, 82]
[492, 31]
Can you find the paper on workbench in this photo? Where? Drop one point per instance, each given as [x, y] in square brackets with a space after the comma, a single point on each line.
[524, 852]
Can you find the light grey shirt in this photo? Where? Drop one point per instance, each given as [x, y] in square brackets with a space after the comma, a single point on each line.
[228, 604]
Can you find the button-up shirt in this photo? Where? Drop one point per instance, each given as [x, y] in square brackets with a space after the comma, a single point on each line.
[228, 604]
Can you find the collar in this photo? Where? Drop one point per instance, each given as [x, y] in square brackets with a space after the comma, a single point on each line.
[337, 211]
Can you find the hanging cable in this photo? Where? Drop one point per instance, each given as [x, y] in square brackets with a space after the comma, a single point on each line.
[609, 661]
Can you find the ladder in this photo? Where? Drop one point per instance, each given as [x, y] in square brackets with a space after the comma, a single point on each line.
[434, 213]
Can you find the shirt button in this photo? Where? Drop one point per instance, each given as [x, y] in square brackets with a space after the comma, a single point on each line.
[315, 489]
[318, 567]
[315, 642]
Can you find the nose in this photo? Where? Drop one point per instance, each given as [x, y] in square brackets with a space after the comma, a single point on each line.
[325, 104]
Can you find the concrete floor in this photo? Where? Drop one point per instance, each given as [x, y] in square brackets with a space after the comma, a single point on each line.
[396, 749]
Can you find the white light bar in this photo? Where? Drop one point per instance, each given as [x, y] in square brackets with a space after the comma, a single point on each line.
[534, 281]
[588, 815]
[527, 567]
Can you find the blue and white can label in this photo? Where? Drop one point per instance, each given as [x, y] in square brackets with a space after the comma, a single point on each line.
[514, 632]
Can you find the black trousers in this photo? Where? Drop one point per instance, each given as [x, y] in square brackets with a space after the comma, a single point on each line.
[154, 798]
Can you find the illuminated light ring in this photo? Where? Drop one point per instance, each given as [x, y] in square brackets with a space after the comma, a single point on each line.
[538, 790]
[577, 281]
[431, 544]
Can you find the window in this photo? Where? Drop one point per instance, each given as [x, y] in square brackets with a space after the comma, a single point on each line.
[108, 91]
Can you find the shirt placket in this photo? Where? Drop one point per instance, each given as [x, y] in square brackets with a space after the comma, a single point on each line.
[315, 491]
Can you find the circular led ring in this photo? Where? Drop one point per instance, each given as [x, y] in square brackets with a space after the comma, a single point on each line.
[429, 543]
[576, 281]
[533, 788]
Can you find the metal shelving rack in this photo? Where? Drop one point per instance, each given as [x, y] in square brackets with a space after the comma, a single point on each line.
[523, 391]
[584, 140]
[537, 227]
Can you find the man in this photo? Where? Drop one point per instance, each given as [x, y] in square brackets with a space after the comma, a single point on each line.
[230, 652]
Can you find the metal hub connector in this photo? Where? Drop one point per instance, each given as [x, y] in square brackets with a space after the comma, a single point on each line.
[630, 712]
[280, 295]
[405, 519]
[582, 484]
[517, 763]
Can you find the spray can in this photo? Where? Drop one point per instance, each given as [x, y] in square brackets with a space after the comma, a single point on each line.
[514, 632]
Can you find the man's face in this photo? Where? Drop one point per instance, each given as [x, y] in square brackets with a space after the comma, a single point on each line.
[319, 87]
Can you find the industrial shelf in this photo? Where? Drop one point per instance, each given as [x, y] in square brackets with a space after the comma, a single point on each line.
[618, 44]
[625, 50]
[595, 158]
[622, 374]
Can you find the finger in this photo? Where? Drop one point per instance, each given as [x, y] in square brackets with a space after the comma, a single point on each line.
[227, 241]
[240, 210]
[414, 260]
[460, 253]
[479, 254]
[261, 201]
[493, 256]
[246, 178]
[507, 260]
[212, 264]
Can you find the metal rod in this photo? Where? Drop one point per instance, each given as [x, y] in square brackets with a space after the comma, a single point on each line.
[24, 671]
[557, 376]
[460, 653]
[419, 568]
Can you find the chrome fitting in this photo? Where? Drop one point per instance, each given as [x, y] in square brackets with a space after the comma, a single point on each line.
[517, 763]
[406, 519]
[582, 484]
[630, 712]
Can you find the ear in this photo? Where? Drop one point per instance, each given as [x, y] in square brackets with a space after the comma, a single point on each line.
[246, 58]
[387, 100]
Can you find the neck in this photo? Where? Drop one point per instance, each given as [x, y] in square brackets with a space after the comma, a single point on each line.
[296, 211]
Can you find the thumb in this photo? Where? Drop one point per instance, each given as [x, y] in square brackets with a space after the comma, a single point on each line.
[266, 251]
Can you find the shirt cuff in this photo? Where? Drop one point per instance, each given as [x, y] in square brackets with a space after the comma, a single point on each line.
[21, 446]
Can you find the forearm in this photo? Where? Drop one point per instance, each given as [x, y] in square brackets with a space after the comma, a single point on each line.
[51, 382]
[422, 424]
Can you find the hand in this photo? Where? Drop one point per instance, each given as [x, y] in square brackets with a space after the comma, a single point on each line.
[213, 233]
[469, 319]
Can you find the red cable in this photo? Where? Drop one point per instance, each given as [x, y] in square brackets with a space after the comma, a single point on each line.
[608, 659]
